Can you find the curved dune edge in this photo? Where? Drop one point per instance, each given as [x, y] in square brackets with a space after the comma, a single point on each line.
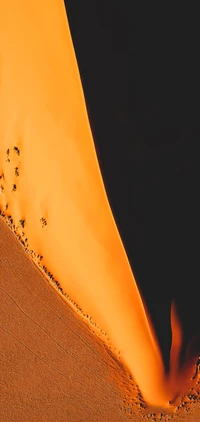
[42, 339]
[51, 187]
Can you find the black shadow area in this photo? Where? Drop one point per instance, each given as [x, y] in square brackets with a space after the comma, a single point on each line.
[140, 75]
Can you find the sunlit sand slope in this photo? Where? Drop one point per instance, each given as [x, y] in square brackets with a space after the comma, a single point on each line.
[52, 188]
[52, 365]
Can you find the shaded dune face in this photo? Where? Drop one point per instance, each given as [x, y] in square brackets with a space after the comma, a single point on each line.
[52, 187]
[51, 360]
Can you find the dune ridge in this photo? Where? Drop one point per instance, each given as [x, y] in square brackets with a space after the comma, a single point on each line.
[51, 187]
[43, 339]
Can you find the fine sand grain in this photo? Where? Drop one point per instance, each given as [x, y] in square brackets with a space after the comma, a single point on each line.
[52, 195]
[53, 366]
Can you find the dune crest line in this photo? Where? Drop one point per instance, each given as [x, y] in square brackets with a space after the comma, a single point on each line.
[52, 187]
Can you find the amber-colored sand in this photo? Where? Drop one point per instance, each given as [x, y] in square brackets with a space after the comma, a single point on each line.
[52, 192]
[52, 365]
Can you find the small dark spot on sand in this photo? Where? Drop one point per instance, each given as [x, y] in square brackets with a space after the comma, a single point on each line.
[43, 221]
[22, 222]
[16, 171]
[16, 150]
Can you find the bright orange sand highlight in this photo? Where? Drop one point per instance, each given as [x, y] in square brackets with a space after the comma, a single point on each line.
[50, 179]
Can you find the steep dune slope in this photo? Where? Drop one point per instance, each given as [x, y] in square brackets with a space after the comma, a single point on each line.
[51, 187]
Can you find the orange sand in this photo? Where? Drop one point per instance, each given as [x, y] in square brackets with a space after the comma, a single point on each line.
[53, 368]
[50, 178]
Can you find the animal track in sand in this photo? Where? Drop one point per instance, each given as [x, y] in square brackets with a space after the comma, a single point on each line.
[1, 185]
[16, 150]
[8, 155]
[11, 172]
[22, 223]
[43, 221]
[37, 259]
[16, 171]
[8, 186]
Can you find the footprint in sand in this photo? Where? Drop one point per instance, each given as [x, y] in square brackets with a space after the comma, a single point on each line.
[43, 222]
[17, 171]
[16, 150]
[14, 187]
[8, 156]
[1, 189]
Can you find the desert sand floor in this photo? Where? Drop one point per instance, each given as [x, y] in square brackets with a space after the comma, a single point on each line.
[53, 366]
[52, 190]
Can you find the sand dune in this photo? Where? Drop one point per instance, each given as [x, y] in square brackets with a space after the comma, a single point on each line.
[52, 194]
[53, 367]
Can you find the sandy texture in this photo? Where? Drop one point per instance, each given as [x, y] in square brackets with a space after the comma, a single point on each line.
[53, 366]
[52, 192]
[50, 181]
